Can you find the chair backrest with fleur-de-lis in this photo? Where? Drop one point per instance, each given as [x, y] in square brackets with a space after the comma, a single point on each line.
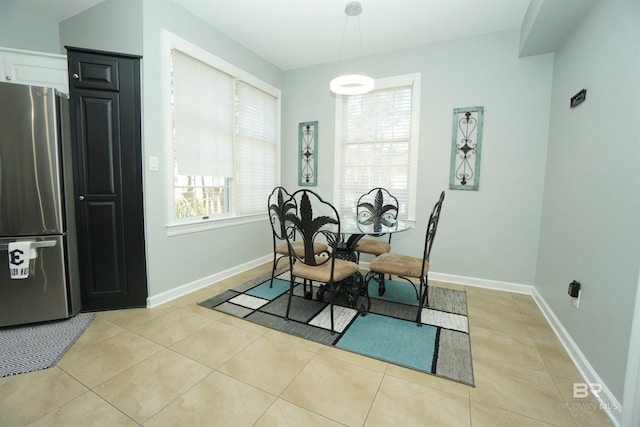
[377, 207]
[315, 221]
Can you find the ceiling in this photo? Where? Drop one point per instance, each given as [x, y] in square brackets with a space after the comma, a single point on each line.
[298, 33]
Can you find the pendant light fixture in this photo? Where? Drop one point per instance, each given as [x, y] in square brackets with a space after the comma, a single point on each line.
[352, 84]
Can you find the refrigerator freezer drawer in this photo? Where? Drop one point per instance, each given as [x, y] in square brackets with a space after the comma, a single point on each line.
[44, 294]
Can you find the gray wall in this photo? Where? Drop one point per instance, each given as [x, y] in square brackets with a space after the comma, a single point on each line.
[591, 211]
[21, 28]
[114, 25]
[180, 260]
[491, 233]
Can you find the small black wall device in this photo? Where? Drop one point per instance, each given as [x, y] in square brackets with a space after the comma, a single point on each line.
[574, 289]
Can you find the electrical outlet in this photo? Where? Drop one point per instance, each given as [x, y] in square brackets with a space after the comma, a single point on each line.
[574, 292]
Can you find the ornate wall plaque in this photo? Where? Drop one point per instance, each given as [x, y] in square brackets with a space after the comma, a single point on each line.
[307, 154]
[465, 148]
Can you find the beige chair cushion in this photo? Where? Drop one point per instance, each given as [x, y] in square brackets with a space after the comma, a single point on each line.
[322, 273]
[399, 265]
[375, 247]
[298, 247]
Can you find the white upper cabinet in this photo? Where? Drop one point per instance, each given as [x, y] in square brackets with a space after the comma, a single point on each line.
[34, 68]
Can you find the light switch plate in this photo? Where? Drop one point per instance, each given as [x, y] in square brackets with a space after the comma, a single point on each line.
[154, 163]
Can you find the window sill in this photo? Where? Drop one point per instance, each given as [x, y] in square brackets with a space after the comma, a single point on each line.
[212, 224]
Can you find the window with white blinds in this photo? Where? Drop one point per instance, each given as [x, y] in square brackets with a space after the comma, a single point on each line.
[377, 143]
[225, 139]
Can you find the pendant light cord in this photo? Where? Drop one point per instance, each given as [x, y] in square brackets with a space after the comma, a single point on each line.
[353, 9]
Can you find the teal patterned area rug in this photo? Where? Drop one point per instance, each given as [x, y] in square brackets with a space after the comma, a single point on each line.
[388, 332]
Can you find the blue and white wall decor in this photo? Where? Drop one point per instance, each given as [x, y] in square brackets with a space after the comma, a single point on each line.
[466, 148]
[307, 154]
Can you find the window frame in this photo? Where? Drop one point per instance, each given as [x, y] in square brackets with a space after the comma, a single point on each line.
[412, 80]
[177, 226]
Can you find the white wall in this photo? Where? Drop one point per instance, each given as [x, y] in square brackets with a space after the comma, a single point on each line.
[491, 233]
[591, 217]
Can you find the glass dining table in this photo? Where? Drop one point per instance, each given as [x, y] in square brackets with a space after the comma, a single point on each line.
[351, 231]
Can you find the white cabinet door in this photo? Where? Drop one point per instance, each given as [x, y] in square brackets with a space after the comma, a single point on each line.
[34, 68]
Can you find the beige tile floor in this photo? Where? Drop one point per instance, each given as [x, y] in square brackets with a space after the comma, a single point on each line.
[183, 365]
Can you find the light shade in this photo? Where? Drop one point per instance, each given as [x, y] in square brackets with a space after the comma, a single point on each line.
[351, 84]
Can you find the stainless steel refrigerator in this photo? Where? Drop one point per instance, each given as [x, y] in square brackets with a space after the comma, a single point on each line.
[38, 254]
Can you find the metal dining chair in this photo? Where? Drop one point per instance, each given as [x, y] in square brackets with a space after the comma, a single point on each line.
[315, 222]
[377, 207]
[278, 204]
[409, 268]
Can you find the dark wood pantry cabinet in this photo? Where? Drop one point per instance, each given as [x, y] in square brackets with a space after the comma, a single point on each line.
[105, 100]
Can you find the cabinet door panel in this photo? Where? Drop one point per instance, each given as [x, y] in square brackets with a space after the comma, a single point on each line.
[106, 271]
[100, 155]
[95, 72]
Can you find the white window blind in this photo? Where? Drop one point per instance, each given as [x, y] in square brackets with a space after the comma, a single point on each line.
[375, 146]
[257, 134]
[203, 118]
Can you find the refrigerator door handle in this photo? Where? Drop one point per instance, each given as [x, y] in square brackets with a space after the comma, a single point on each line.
[44, 244]
[35, 245]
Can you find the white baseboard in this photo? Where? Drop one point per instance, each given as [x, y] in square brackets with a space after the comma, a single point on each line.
[187, 288]
[482, 283]
[473, 281]
[606, 399]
